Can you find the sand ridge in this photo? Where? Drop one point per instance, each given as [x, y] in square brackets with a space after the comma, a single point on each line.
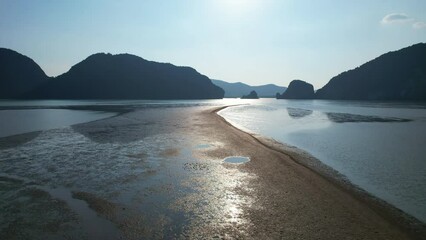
[294, 202]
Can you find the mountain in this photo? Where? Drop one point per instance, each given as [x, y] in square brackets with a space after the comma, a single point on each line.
[19, 74]
[251, 95]
[398, 75]
[125, 76]
[298, 89]
[239, 89]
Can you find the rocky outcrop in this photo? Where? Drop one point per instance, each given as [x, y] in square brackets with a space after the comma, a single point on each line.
[298, 90]
[251, 95]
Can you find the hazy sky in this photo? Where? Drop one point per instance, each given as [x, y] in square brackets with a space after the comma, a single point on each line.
[252, 41]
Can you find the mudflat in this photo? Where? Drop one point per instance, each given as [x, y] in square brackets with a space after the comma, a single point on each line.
[156, 173]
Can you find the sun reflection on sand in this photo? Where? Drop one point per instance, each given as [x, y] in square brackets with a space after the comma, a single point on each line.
[171, 183]
[225, 193]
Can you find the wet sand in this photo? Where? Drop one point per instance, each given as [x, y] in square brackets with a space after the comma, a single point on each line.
[298, 201]
[159, 174]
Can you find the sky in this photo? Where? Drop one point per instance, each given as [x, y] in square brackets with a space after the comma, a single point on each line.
[252, 41]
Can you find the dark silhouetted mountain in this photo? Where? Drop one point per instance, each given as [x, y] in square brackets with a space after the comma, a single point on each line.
[251, 95]
[238, 89]
[298, 90]
[399, 75]
[125, 76]
[18, 74]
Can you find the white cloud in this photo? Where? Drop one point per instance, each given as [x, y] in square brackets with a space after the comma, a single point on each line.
[402, 18]
[419, 25]
[396, 18]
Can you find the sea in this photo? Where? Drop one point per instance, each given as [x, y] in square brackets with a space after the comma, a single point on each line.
[378, 146]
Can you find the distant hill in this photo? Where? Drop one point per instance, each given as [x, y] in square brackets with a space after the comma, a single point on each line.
[125, 76]
[239, 89]
[298, 89]
[398, 75]
[19, 74]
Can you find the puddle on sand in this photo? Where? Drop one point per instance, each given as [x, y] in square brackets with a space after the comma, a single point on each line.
[236, 159]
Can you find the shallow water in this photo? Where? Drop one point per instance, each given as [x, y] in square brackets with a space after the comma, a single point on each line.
[236, 159]
[13, 122]
[378, 146]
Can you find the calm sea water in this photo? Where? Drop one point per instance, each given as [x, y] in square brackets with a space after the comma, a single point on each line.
[18, 117]
[14, 122]
[378, 146]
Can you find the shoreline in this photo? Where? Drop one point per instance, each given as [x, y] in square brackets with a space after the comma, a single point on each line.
[402, 220]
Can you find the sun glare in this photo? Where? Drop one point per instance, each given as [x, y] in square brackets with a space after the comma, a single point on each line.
[236, 3]
[238, 6]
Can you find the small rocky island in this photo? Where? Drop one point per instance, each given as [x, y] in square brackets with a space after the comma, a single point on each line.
[298, 89]
[251, 95]
[238, 89]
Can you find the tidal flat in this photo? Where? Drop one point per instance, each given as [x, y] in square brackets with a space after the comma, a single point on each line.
[144, 172]
[159, 172]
